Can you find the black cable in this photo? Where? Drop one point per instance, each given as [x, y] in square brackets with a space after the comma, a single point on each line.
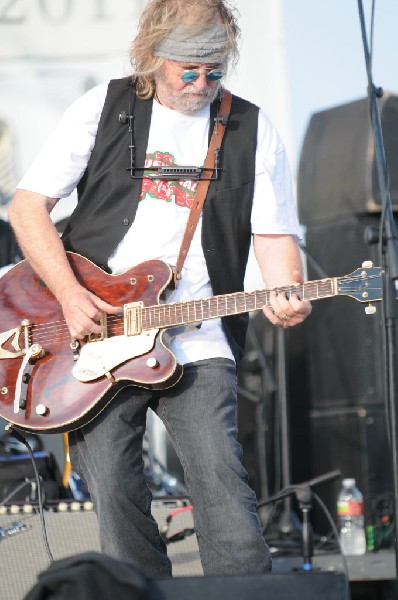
[314, 263]
[334, 529]
[15, 491]
[25, 442]
[270, 518]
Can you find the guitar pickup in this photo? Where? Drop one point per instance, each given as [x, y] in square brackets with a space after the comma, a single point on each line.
[97, 337]
[133, 318]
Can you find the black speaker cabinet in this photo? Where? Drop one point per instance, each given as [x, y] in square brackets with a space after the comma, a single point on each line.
[355, 442]
[281, 586]
[93, 576]
[345, 366]
[337, 172]
[345, 345]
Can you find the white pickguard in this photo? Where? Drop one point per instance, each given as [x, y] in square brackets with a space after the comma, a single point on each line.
[99, 358]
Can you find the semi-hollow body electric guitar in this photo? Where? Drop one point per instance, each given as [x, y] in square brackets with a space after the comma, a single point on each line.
[49, 384]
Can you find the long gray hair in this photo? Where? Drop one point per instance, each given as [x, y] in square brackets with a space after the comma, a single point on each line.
[160, 17]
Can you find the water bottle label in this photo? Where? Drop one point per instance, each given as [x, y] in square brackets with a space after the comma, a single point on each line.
[350, 509]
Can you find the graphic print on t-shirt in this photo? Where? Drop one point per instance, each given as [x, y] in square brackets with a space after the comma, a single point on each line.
[179, 192]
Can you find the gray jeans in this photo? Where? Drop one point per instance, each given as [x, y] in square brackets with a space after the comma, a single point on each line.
[200, 415]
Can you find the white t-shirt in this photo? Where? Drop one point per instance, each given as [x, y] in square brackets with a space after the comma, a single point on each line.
[162, 213]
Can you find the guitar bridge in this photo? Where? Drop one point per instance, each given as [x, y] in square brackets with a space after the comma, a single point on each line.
[133, 318]
[10, 341]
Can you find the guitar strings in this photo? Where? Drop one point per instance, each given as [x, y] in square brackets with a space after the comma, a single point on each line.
[59, 329]
[177, 313]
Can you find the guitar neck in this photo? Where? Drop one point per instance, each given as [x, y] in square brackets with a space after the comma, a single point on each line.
[193, 311]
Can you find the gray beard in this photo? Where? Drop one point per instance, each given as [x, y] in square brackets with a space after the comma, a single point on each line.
[188, 100]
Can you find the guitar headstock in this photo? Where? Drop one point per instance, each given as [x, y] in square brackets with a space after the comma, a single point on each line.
[364, 284]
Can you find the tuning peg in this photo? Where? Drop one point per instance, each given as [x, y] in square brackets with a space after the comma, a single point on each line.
[367, 264]
[370, 309]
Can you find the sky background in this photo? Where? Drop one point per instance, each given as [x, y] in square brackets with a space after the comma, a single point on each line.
[299, 57]
[325, 55]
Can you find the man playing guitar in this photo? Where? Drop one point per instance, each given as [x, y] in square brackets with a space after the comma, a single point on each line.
[135, 149]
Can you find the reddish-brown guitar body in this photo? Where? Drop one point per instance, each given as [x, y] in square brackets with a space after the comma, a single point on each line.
[70, 403]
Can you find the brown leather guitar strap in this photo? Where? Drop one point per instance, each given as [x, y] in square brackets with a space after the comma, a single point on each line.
[203, 185]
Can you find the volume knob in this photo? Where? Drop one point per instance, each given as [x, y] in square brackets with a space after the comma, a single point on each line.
[152, 362]
[41, 410]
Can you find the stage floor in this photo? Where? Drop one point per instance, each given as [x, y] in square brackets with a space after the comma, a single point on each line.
[71, 530]
[371, 566]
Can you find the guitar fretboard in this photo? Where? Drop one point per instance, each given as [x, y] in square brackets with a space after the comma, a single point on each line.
[183, 313]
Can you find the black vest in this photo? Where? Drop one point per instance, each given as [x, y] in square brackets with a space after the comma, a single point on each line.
[108, 196]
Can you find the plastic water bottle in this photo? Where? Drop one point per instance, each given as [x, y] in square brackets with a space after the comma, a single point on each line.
[351, 519]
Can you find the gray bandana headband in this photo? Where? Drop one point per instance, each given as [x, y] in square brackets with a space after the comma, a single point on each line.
[187, 43]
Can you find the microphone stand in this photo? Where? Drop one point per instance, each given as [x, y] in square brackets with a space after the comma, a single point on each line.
[388, 248]
[288, 521]
[303, 493]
